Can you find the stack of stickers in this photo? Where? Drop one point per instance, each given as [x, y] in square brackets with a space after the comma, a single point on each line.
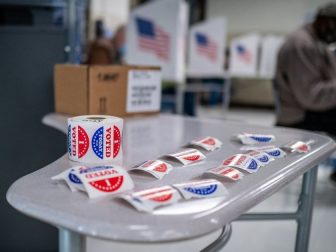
[231, 168]
[159, 168]
[96, 139]
[256, 155]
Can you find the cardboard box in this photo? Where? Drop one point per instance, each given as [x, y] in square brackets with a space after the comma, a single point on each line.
[118, 90]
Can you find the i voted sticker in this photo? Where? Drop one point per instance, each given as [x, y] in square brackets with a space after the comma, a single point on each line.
[188, 156]
[69, 177]
[150, 199]
[275, 152]
[78, 141]
[203, 188]
[157, 168]
[97, 142]
[207, 143]
[116, 141]
[251, 139]
[226, 172]
[104, 180]
[299, 146]
[262, 157]
[104, 143]
[242, 161]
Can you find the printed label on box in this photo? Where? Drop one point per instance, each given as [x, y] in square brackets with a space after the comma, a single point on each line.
[143, 91]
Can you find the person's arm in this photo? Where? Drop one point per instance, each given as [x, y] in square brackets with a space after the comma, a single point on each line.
[309, 87]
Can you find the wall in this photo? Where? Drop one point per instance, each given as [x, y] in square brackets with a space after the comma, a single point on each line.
[263, 15]
[28, 55]
[113, 12]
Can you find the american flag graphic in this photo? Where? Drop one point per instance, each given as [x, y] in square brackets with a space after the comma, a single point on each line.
[244, 54]
[206, 47]
[152, 38]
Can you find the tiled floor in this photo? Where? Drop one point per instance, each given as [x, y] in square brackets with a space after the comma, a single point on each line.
[275, 236]
[279, 236]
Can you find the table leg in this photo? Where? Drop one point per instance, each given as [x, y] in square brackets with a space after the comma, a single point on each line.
[305, 210]
[303, 215]
[70, 241]
[220, 242]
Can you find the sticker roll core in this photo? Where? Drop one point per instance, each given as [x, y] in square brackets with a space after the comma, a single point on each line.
[95, 139]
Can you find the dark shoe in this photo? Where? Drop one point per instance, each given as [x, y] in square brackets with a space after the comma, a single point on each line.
[333, 177]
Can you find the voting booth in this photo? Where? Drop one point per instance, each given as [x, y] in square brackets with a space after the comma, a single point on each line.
[206, 59]
[156, 35]
[244, 55]
[206, 52]
[270, 46]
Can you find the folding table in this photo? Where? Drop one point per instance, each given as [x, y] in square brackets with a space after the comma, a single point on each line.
[150, 137]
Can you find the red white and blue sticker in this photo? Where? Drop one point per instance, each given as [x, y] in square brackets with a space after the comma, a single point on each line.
[83, 142]
[70, 178]
[102, 180]
[262, 157]
[78, 141]
[226, 172]
[85, 169]
[202, 190]
[69, 139]
[207, 143]
[242, 161]
[299, 146]
[73, 178]
[275, 152]
[116, 141]
[103, 142]
[98, 142]
[109, 184]
[262, 139]
[150, 199]
[188, 156]
[206, 188]
[157, 168]
[250, 139]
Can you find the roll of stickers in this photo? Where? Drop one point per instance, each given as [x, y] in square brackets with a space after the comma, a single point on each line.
[95, 139]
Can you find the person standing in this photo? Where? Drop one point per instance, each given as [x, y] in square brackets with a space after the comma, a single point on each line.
[306, 76]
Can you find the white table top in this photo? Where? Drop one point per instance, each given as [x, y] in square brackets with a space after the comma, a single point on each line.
[148, 138]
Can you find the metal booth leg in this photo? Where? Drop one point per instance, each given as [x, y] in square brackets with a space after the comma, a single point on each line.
[305, 210]
[303, 215]
[70, 241]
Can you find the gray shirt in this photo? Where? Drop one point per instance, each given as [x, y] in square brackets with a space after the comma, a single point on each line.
[306, 76]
